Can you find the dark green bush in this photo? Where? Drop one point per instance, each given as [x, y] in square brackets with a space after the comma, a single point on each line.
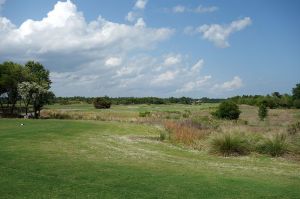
[230, 144]
[227, 110]
[102, 103]
[274, 146]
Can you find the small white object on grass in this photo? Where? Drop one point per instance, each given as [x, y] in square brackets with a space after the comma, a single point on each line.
[22, 124]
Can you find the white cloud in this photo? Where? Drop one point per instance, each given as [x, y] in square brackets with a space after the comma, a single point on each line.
[172, 60]
[178, 9]
[200, 9]
[137, 12]
[140, 23]
[113, 61]
[124, 71]
[218, 34]
[194, 85]
[233, 84]
[198, 66]
[140, 4]
[131, 16]
[64, 31]
[164, 77]
[203, 9]
[100, 57]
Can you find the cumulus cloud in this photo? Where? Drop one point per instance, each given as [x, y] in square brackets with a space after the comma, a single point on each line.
[64, 31]
[140, 4]
[136, 14]
[235, 83]
[100, 57]
[200, 9]
[172, 60]
[219, 34]
[140, 23]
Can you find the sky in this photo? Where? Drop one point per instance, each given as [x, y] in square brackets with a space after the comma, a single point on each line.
[163, 48]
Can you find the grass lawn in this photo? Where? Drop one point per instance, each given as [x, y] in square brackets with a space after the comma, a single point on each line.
[93, 159]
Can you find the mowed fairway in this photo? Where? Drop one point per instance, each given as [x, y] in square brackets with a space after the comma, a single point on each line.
[94, 159]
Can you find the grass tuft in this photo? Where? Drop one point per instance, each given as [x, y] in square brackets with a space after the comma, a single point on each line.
[230, 144]
[274, 146]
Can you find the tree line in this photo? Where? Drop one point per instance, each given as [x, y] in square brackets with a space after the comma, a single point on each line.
[136, 100]
[23, 87]
[275, 100]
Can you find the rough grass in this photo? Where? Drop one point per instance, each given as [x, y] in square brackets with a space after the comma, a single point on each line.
[230, 144]
[201, 123]
[90, 159]
[185, 132]
[274, 146]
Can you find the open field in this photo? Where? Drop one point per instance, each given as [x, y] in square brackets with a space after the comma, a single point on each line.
[114, 159]
[94, 159]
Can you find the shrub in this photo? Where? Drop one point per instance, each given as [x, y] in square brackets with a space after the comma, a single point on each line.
[162, 135]
[144, 114]
[186, 114]
[274, 146]
[230, 144]
[227, 110]
[102, 102]
[297, 103]
[262, 111]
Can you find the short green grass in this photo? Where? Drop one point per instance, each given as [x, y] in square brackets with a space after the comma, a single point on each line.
[92, 159]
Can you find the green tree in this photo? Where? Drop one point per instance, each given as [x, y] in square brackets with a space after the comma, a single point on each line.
[25, 90]
[228, 110]
[296, 103]
[102, 102]
[11, 74]
[262, 111]
[40, 94]
[40, 97]
[38, 74]
[296, 92]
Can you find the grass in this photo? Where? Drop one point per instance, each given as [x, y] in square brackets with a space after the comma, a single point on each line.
[94, 159]
[274, 146]
[230, 144]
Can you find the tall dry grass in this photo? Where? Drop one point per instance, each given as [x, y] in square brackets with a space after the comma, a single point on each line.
[185, 132]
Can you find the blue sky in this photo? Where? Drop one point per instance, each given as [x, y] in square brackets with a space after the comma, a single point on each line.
[163, 48]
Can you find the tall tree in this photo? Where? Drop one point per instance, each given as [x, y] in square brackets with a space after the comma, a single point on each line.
[38, 73]
[37, 91]
[11, 74]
